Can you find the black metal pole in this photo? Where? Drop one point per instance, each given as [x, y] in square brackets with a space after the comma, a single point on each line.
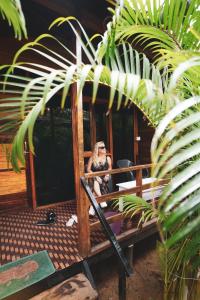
[118, 250]
[122, 284]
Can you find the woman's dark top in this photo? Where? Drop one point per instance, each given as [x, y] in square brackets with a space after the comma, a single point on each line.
[104, 188]
[100, 167]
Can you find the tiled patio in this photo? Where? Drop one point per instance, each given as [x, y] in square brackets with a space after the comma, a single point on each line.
[20, 236]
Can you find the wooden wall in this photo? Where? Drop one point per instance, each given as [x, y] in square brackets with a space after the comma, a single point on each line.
[12, 185]
[145, 132]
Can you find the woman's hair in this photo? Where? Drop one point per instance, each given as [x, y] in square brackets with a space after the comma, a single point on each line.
[95, 152]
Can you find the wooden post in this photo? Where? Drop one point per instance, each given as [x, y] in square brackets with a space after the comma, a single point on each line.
[78, 153]
[32, 178]
[110, 134]
[92, 125]
[135, 134]
[139, 181]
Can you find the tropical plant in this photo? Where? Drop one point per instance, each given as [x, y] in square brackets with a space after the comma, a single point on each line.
[177, 138]
[123, 73]
[165, 33]
[12, 11]
[175, 153]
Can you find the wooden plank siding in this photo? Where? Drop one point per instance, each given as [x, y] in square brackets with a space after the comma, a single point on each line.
[12, 184]
[145, 132]
[135, 135]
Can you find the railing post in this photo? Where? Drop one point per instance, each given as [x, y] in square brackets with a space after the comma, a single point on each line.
[78, 154]
[135, 134]
[139, 182]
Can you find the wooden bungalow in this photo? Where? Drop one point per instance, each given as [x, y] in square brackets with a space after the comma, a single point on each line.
[63, 142]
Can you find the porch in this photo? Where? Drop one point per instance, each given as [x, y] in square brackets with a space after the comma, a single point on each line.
[20, 236]
[70, 247]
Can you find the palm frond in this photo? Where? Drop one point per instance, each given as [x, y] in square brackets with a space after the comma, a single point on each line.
[133, 205]
[12, 11]
[180, 149]
[153, 24]
[129, 75]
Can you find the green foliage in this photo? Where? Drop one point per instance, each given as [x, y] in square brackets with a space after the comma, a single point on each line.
[175, 152]
[133, 205]
[155, 24]
[11, 10]
[127, 72]
[162, 79]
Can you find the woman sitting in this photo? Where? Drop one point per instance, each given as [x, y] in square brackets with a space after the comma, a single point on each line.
[99, 161]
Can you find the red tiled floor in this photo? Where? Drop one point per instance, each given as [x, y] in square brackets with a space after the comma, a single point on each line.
[20, 236]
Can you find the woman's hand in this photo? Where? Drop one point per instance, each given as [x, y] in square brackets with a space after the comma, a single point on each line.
[98, 179]
[106, 178]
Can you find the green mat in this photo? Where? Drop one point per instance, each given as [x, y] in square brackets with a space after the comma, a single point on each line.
[24, 272]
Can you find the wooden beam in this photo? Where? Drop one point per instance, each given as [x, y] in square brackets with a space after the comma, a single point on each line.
[92, 22]
[93, 131]
[115, 195]
[135, 135]
[136, 234]
[32, 178]
[87, 153]
[137, 189]
[63, 8]
[118, 170]
[139, 182]
[111, 219]
[87, 99]
[66, 8]
[78, 154]
[109, 129]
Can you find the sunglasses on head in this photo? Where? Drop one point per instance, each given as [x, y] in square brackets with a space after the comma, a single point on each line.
[102, 147]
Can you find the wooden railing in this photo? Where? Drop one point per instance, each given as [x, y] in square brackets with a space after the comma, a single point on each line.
[138, 189]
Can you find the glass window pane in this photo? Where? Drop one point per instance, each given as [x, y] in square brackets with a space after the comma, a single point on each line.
[122, 134]
[54, 170]
[86, 127]
[146, 133]
[100, 116]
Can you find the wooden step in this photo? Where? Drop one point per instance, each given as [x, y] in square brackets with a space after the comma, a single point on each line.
[75, 288]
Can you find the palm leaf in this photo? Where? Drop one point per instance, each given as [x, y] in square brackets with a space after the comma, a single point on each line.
[133, 205]
[12, 11]
[154, 24]
[175, 141]
[32, 93]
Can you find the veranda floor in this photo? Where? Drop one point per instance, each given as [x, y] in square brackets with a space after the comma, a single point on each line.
[20, 236]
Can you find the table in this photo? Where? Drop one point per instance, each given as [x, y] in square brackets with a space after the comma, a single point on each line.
[147, 194]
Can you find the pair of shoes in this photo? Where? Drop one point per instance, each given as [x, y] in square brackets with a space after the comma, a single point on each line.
[72, 220]
[103, 204]
[91, 211]
[50, 219]
[74, 217]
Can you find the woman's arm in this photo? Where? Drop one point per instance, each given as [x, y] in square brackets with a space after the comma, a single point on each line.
[109, 163]
[106, 177]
